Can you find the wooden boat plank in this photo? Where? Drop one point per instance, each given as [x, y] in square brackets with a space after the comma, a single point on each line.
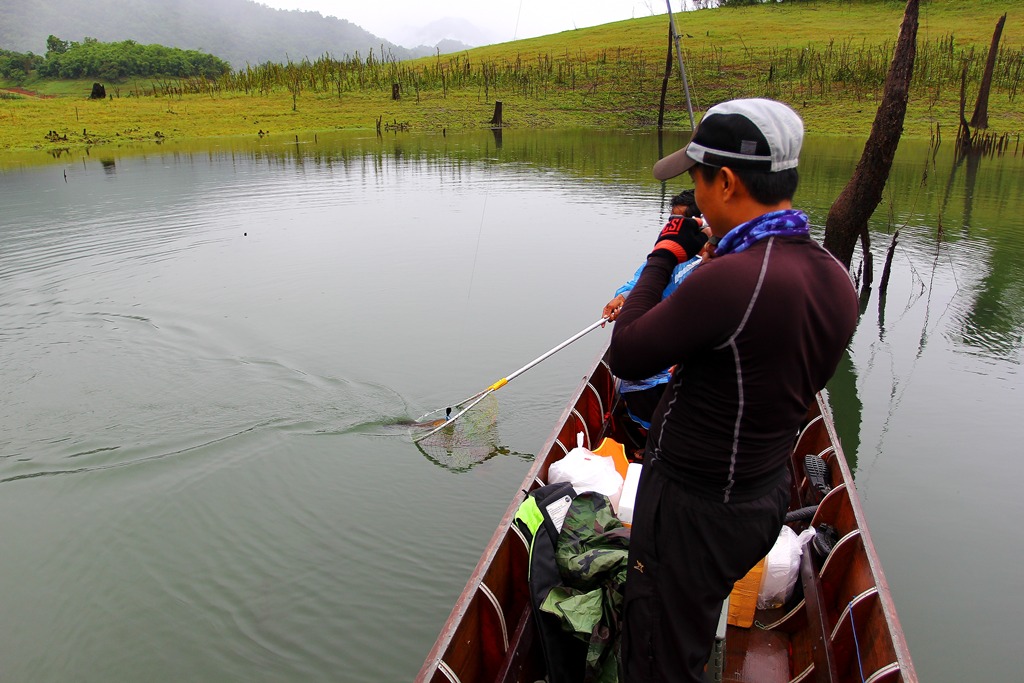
[846, 575]
[506, 577]
[822, 653]
[856, 642]
[753, 654]
[524, 664]
[836, 511]
[483, 645]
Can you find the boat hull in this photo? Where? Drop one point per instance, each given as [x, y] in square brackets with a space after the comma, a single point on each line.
[845, 624]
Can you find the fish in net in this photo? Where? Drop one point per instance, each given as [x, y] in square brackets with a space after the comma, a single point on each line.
[461, 443]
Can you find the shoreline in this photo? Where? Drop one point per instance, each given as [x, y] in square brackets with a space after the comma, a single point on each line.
[830, 67]
[48, 123]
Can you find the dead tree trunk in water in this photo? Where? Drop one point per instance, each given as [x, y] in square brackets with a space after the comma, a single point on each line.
[848, 218]
[496, 118]
[980, 117]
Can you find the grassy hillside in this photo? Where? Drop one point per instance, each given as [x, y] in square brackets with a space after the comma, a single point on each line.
[828, 59]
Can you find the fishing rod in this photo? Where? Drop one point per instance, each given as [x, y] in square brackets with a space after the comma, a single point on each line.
[679, 54]
[471, 401]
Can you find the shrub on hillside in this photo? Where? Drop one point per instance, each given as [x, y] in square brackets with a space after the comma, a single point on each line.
[113, 61]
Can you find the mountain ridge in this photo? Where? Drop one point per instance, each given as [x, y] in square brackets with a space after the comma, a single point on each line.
[238, 31]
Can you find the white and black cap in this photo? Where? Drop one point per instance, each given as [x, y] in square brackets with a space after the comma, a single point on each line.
[756, 134]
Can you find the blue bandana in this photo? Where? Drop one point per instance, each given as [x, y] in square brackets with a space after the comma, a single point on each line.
[785, 222]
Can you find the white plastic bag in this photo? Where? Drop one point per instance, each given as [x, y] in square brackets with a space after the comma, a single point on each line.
[782, 568]
[587, 471]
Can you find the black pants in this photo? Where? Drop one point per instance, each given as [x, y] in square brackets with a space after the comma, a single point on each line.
[685, 554]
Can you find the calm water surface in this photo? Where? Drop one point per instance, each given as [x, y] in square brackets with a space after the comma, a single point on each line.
[203, 351]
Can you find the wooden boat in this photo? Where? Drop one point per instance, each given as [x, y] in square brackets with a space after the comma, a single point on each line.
[844, 629]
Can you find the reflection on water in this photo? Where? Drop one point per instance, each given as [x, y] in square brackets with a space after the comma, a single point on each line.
[208, 350]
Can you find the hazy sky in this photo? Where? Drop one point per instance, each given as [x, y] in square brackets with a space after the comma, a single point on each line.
[406, 22]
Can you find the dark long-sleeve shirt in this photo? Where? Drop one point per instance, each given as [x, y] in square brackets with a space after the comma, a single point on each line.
[755, 334]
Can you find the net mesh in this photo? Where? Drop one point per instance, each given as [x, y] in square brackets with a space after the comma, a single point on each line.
[468, 440]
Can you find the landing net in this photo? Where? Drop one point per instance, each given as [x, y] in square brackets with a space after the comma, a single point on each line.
[466, 441]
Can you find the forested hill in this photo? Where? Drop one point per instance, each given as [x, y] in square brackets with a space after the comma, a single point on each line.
[238, 31]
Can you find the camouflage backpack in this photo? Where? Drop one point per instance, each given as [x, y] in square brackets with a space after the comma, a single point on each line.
[577, 592]
[540, 519]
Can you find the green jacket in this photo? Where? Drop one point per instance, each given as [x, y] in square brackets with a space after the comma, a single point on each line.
[592, 555]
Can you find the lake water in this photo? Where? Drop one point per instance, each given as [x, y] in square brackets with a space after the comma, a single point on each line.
[204, 350]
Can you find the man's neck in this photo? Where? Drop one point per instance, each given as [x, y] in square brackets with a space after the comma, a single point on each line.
[747, 211]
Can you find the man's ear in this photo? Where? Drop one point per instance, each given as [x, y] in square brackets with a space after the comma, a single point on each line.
[732, 188]
[727, 182]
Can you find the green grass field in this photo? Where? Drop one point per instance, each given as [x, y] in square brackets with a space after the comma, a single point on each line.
[828, 59]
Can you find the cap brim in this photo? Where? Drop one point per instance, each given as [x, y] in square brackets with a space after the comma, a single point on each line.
[674, 164]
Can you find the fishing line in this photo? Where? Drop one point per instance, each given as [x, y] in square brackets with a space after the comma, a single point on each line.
[476, 253]
[465, 317]
[472, 277]
[518, 14]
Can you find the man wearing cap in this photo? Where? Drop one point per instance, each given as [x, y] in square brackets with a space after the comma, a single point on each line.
[755, 332]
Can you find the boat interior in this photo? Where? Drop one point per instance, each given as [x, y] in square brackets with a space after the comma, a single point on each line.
[842, 625]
